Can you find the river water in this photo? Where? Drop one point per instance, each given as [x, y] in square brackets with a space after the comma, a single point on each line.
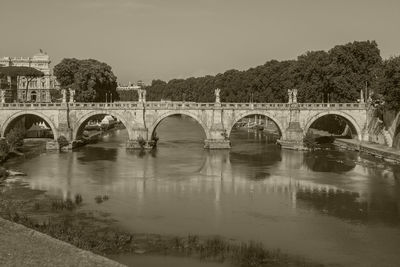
[334, 207]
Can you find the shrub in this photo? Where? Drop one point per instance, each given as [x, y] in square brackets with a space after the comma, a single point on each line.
[15, 138]
[309, 141]
[4, 149]
[63, 204]
[62, 141]
[141, 142]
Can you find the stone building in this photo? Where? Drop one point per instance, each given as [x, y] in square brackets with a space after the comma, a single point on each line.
[130, 91]
[38, 88]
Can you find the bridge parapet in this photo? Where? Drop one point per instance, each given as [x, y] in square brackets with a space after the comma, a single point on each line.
[193, 105]
[181, 105]
[339, 106]
[30, 106]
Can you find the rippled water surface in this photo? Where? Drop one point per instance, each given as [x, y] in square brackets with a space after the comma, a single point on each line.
[335, 207]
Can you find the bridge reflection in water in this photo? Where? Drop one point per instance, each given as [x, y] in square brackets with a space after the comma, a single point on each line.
[328, 203]
[248, 169]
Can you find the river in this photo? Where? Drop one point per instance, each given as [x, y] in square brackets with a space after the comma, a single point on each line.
[334, 207]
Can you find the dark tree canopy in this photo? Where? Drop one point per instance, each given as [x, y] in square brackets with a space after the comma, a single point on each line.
[336, 75]
[15, 71]
[390, 83]
[92, 80]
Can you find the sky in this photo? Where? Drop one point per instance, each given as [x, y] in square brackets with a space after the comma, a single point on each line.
[166, 39]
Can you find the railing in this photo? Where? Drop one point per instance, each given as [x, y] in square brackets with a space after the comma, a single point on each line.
[32, 105]
[182, 105]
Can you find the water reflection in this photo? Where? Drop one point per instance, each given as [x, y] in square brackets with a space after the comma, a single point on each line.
[305, 203]
[98, 153]
[229, 173]
[330, 161]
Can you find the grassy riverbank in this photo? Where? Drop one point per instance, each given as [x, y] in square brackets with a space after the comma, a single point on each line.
[30, 148]
[93, 231]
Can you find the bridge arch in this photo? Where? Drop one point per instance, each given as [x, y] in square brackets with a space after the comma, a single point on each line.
[254, 112]
[80, 123]
[16, 115]
[342, 114]
[178, 112]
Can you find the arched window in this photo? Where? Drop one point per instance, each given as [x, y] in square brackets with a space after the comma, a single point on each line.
[33, 96]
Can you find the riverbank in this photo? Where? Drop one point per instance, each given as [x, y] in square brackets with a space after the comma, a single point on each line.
[21, 246]
[376, 150]
[31, 147]
[95, 232]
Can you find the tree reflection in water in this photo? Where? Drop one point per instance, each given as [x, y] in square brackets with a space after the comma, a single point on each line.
[95, 153]
[330, 161]
[349, 206]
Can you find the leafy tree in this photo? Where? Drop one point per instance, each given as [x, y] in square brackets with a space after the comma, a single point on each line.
[92, 80]
[4, 149]
[65, 71]
[62, 141]
[336, 75]
[127, 95]
[353, 67]
[312, 77]
[15, 138]
[390, 83]
[28, 72]
[55, 95]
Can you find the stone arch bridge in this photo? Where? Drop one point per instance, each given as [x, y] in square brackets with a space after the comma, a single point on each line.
[216, 119]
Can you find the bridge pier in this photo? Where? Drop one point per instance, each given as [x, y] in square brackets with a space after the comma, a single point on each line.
[139, 144]
[217, 137]
[293, 137]
[139, 139]
[217, 144]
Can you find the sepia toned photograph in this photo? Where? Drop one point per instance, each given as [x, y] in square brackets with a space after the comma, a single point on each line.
[200, 133]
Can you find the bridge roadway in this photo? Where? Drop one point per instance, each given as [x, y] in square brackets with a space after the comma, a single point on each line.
[217, 119]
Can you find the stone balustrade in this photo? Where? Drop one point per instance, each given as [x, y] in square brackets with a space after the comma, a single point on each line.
[184, 105]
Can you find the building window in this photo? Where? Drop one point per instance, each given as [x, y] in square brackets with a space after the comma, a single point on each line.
[33, 84]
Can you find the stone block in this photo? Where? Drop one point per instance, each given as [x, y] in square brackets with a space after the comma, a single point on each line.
[217, 144]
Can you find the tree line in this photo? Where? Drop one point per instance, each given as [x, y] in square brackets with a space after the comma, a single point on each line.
[336, 75]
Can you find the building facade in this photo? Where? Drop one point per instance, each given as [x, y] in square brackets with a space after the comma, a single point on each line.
[32, 90]
[129, 92]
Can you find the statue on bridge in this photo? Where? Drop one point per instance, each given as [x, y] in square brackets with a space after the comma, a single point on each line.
[142, 95]
[71, 95]
[292, 93]
[216, 92]
[362, 100]
[2, 96]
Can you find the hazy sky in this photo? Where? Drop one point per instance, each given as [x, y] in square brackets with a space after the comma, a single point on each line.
[149, 39]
